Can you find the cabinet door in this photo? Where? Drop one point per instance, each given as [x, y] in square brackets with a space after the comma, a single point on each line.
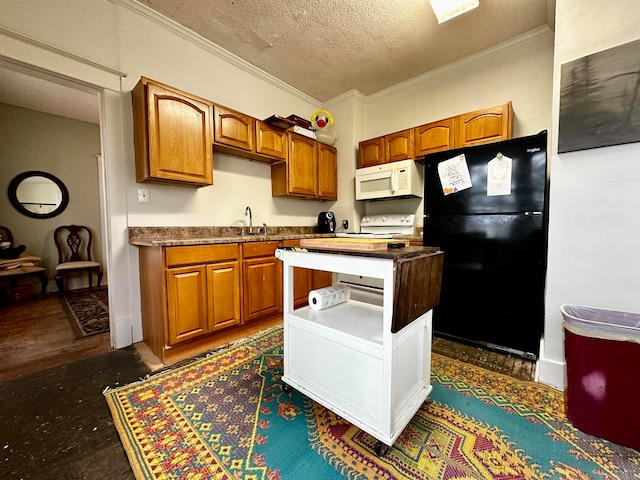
[271, 141]
[399, 146]
[371, 152]
[327, 172]
[302, 166]
[262, 287]
[302, 279]
[186, 303]
[435, 137]
[233, 128]
[178, 139]
[483, 126]
[223, 288]
[322, 279]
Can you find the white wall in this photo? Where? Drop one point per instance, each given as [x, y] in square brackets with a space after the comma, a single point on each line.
[66, 149]
[594, 229]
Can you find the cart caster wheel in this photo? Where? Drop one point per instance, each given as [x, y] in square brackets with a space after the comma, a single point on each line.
[381, 449]
[286, 388]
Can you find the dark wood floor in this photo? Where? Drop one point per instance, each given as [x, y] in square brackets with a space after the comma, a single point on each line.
[55, 421]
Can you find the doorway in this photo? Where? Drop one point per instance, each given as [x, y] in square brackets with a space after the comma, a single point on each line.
[34, 98]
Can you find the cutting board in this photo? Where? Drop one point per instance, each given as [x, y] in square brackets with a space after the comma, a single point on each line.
[356, 244]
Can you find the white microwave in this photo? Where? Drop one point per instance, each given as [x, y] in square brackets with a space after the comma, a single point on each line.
[389, 180]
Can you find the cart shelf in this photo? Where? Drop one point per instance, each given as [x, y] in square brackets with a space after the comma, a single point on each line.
[355, 358]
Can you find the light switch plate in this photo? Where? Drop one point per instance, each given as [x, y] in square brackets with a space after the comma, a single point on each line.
[143, 195]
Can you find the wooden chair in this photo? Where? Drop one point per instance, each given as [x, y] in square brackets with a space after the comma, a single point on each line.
[74, 254]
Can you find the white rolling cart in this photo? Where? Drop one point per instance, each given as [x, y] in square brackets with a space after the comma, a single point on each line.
[369, 364]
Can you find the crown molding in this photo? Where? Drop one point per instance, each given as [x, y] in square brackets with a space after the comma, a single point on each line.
[212, 48]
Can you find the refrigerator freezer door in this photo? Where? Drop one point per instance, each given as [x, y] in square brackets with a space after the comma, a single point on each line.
[528, 179]
[493, 279]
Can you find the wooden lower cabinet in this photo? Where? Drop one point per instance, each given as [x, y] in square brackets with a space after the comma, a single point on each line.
[223, 301]
[186, 303]
[261, 280]
[190, 295]
[187, 294]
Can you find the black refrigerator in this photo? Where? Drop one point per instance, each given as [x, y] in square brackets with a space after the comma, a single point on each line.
[486, 207]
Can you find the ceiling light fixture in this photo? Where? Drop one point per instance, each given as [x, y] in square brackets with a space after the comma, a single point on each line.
[447, 9]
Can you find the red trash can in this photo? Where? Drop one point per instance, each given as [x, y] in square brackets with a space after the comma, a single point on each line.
[602, 353]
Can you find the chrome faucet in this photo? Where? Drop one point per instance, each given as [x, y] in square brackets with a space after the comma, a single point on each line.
[247, 211]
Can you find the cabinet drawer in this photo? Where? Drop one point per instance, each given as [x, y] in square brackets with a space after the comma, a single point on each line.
[259, 249]
[201, 254]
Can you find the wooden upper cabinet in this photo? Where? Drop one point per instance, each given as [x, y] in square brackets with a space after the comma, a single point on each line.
[233, 128]
[302, 165]
[172, 135]
[399, 146]
[371, 152]
[327, 172]
[388, 148]
[484, 126]
[237, 134]
[434, 137]
[271, 141]
[311, 170]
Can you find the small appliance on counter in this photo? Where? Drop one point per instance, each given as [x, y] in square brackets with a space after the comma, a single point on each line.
[326, 222]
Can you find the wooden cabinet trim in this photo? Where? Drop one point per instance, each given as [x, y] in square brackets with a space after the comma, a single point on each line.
[259, 249]
[188, 255]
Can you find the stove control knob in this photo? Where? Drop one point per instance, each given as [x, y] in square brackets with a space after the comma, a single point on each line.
[384, 218]
[402, 218]
[366, 219]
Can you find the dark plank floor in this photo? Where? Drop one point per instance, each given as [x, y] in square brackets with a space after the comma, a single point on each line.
[55, 421]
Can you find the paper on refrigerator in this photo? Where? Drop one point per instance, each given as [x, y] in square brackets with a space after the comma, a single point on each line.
[454, 175]
[499, 171]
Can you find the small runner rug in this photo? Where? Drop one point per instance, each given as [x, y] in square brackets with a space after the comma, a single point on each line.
[227, 417]
[88, 311]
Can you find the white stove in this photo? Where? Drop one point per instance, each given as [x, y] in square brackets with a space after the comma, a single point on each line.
[365, 289]
[383, 226]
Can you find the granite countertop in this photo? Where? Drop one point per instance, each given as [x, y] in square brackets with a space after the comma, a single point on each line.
[176, 236]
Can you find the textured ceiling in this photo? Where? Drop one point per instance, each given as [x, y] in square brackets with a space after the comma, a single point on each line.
[327, 47]
[321, 47]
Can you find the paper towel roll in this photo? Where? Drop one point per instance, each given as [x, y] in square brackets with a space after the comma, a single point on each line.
[328, 296]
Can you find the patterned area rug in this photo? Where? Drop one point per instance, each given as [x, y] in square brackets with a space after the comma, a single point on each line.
[226, 417]
[88, 311]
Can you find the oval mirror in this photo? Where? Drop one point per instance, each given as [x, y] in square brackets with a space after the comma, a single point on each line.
[38, 194]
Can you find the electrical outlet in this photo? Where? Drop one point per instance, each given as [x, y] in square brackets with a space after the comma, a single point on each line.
[143, 195]
[345, 224]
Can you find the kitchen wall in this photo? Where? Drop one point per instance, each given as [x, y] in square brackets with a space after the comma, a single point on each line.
[519, 71]
[67, 149]
[594, 229]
